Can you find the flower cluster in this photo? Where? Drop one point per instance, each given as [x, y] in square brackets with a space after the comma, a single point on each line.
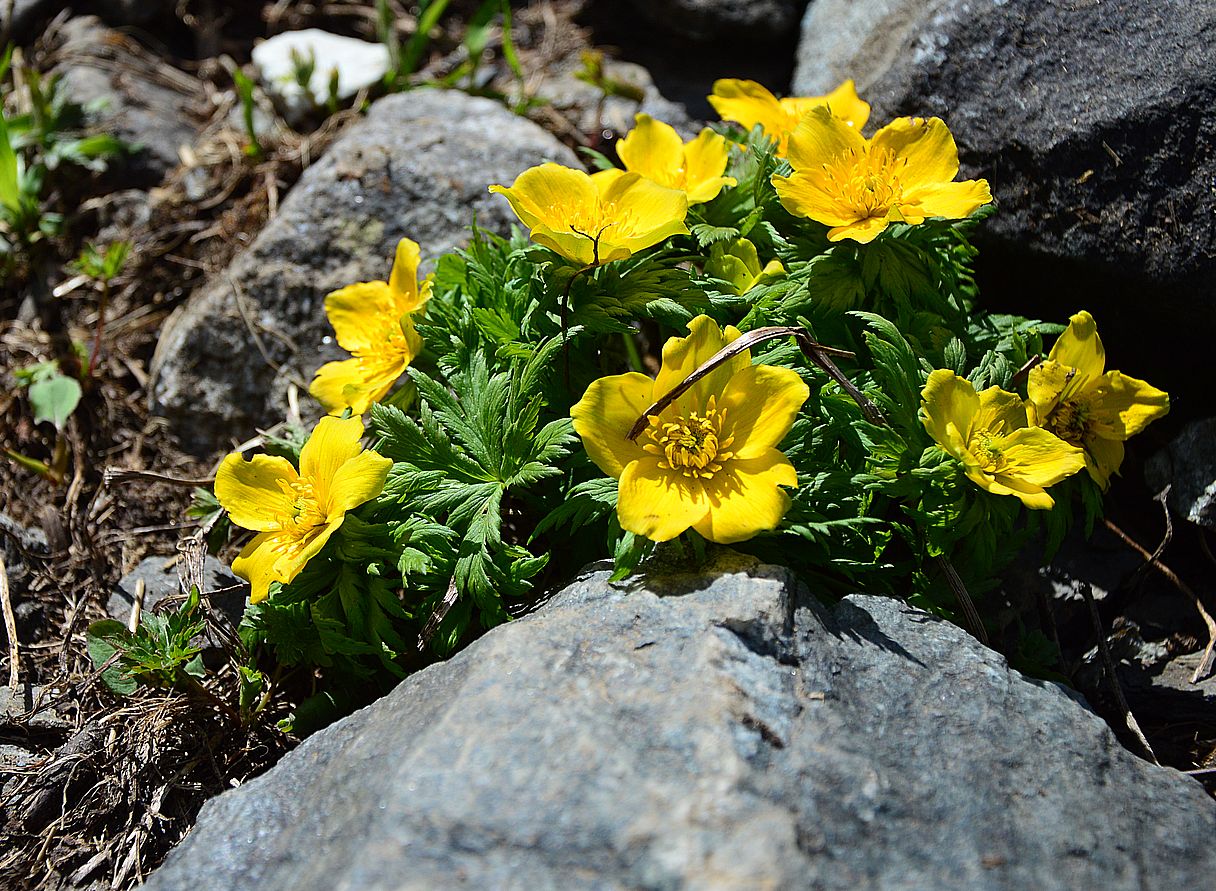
[1075, 416]
[665, 356]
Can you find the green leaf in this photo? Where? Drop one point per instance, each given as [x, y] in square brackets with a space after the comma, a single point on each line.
[54, 399]
[103, 640]
[10, 171]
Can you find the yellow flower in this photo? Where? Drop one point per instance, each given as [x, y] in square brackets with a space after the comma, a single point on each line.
[372, 322]
[988, 433]
[593, 219]
[739, 264]
[709, 460]
[748, 103]
[858, 186]
[696, 168]
[1071, 396]
[294, 513]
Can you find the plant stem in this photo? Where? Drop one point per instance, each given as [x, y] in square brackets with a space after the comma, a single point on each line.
[101, 325]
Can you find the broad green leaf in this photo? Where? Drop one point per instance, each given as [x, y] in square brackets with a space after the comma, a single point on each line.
[54, 399]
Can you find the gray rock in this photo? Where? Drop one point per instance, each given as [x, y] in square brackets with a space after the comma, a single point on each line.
[418, 166]
[1188, 467]
[140, 101]
[720, 20]
[227, 593]
[731, 733]
[1092, 122]
[26, 17]
[17, 543]
[579, 101]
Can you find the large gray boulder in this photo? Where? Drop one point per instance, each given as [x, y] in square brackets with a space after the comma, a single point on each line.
[1093, 123]
[418, 166]
[130, 94]
[718, 731]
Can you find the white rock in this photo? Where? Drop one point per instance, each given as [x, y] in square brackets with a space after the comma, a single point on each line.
[359, 64]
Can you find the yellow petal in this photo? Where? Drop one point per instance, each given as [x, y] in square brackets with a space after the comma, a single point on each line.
[359, 314]
[1000, 412]
[924, 148]
[1039, 458]
[1124, 405]
[272, 557]
[821, 138]
[403, 281]
[705, 160]
[951, 201]
[550, 195]
[358, 480]
[656, 503]
[255, 564]
[333, 442]
[576, 248]
[342, 385]
[641, 213]
[250, 490]
[604, 415]
[1034, 497]
[683, 355]
[745, 498]
[1081, 348]
[748, 103]
[1045, 386]
[803, 194]
[1102, 459]
[843, 102]
[654, 150]
[862, 231]
[761, 403]
[948, 405]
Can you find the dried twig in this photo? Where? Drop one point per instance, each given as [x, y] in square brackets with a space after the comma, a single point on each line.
[1109, 664]
[970, 613]
[816, 352]
[10, 627]
[1205, 664]
[112, 476]
[437, 616]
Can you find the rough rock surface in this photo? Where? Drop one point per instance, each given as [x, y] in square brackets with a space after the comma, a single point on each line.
[730, 733]
[418, 166]
[1188, 467]
[579, 100]
[1092, 120]
[227, 592]
[713, 20]
[132, 97]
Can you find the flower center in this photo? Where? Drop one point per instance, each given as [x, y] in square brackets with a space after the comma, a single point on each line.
[692, 444]
[388, 355]
[987, 448]
[868, 182]
[303, 516]
[1069, 420]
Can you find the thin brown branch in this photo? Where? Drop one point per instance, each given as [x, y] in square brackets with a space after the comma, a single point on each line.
[1205, 664]
[1132, 724]
[437, 616]
[970, 613]
[816, 352]
[10, 628]
[112, 476]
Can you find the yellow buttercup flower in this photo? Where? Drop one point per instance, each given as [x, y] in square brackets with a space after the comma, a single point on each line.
[595, 218]
[859, 186]
[1072, 395]
[696, 168]
[748, 103]
[738, 263]
[372, 321]
[709, 460]
[988, 433]
[294, 513]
